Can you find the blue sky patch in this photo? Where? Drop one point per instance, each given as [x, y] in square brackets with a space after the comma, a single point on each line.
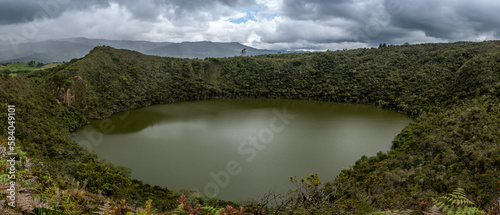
[272, 16]
[250, 15]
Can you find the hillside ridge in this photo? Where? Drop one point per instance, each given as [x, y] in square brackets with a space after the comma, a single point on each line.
[63, 50]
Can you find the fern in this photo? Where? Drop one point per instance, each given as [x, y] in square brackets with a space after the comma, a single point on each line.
[392, 212]
[179, 210]
[433, 211]
[457, 203]
[212, 210]
[105, 209]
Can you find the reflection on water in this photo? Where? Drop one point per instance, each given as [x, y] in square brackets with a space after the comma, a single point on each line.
[240, 149]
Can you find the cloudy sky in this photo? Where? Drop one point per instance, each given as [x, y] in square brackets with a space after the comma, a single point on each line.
[268, 24]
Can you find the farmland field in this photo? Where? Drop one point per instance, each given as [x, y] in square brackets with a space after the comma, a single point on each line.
[15, 68]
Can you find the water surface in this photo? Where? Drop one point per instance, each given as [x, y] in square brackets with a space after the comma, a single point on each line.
[243, 148]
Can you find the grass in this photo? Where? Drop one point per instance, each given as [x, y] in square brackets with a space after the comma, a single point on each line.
[15, 68]
[51, 65]
[18, 67]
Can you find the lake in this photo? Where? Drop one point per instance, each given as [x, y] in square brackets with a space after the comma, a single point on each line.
[240, 149]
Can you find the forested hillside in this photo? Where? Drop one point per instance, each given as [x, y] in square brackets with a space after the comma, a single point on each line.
[63, 50]
[451, 91]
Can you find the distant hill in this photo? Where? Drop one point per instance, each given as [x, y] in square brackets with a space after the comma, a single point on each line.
[206, 49]
[140, 46]
[63, 50]
[45, 52]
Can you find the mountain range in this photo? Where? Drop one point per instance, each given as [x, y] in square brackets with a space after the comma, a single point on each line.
[63, 50]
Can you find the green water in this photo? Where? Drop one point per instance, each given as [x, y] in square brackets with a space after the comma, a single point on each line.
[240, 149]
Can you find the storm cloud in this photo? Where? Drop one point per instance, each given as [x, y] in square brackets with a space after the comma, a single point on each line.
[20, 11]
[271, 24]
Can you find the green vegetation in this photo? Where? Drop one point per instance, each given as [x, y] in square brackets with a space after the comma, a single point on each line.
[19, 68]
[451, 90]
[457, 203]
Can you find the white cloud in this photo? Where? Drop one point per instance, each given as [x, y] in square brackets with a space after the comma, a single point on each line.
[271, 24]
